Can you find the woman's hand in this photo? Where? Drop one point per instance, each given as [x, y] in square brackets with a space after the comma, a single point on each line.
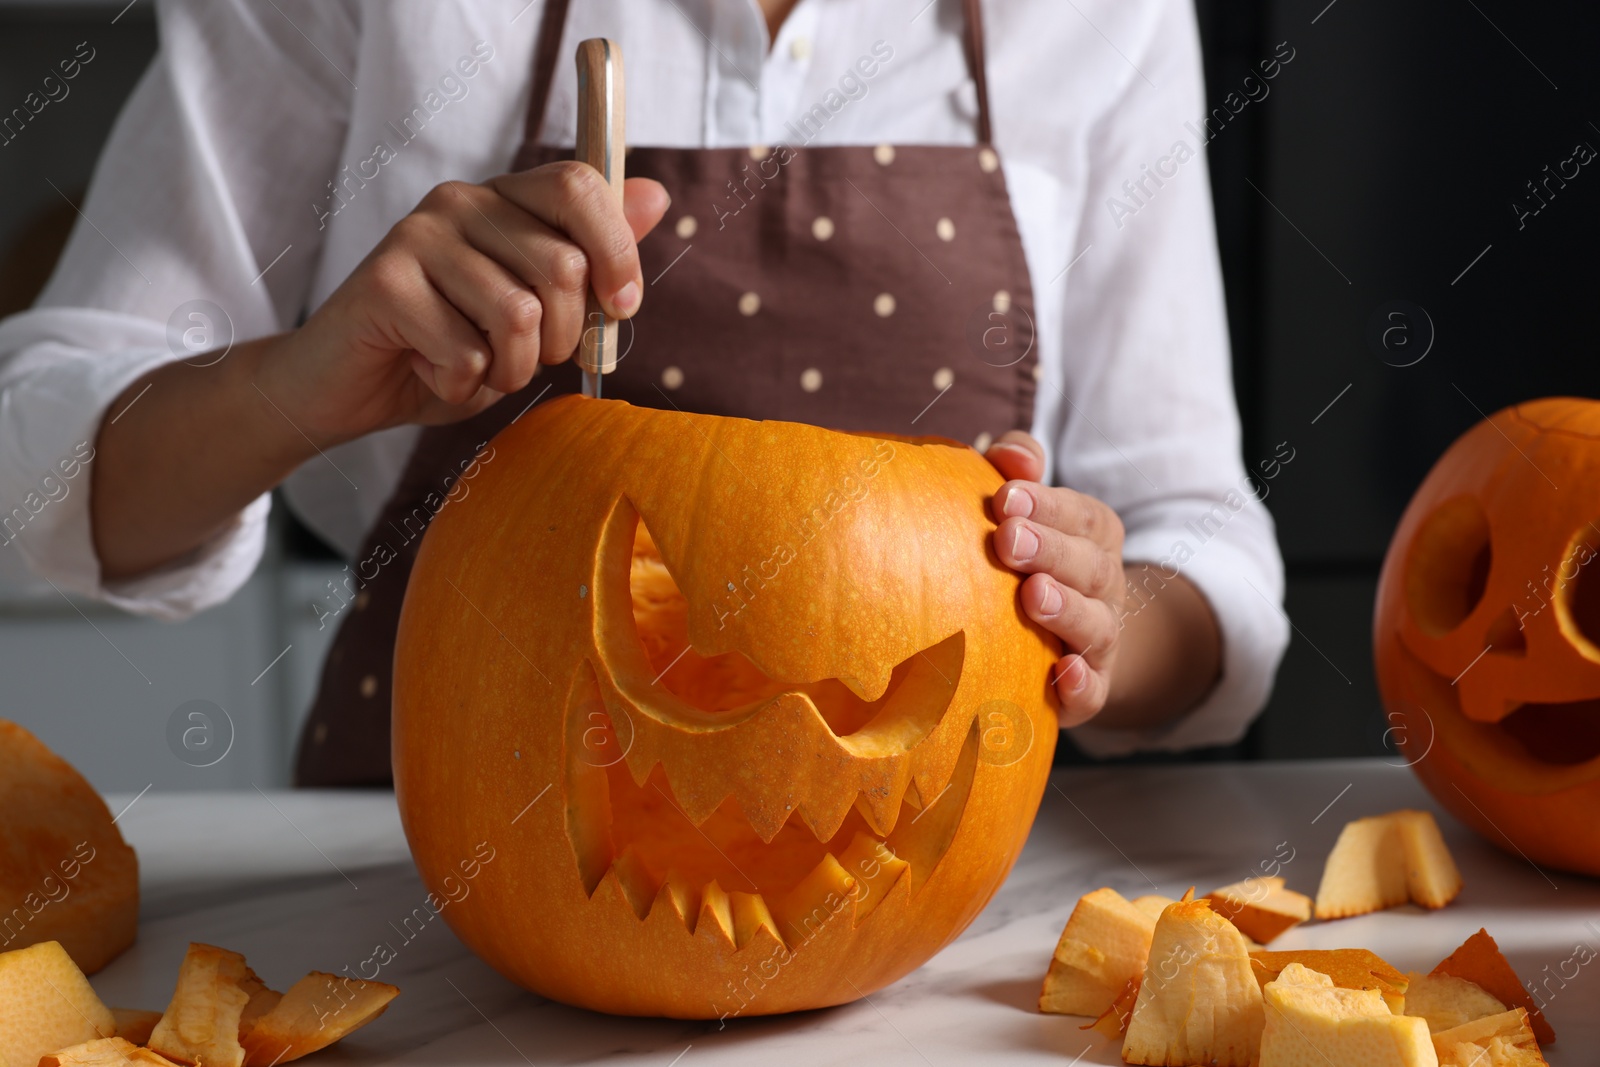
[456, 306]
[1070, 547]
[462, 300]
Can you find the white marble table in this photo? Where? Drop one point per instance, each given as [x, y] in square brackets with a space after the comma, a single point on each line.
[301, 881]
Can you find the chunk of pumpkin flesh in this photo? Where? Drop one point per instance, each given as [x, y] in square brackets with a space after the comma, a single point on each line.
[1446, 1001]
[46, 1003]
[105, 1052]
[1365, 872]
[201, 1024]
[53, 825]
[1310, 1022]
[318, 1010]
[1262, 908]
[1198, 1001]
[1102, 948]
[1348, 968]
[1479, 960]
[1503, 1040]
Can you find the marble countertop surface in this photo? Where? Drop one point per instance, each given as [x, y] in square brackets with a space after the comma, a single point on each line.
[313, 881]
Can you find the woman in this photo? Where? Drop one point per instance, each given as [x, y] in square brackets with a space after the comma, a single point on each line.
[978, 220]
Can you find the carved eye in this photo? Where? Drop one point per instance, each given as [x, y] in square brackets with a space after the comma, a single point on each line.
[1448, 566]
[1577, 592]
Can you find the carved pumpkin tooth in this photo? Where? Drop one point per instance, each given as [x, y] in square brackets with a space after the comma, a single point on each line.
[817, 901]
[678, 898]
[635, 882]
[876, 869]
[716, 915]
[750, 915]
[880, 805]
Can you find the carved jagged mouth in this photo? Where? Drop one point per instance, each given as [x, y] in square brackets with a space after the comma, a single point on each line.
[1534, 749]
[859, 810]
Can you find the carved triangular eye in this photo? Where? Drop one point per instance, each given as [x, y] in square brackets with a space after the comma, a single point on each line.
[1448, 566]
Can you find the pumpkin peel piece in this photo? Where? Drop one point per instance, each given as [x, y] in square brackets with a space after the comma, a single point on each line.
[1480, 961]
[317, 1011]
[201, 1024]
[1502, 1040]
[1347, 968]
[1262, 908]
[105, 1052]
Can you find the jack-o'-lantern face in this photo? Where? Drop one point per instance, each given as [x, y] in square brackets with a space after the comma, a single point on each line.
[747, 710]
[1487, 630]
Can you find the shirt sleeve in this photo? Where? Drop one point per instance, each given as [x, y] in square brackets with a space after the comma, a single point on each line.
[1149, 424]
[200, 228]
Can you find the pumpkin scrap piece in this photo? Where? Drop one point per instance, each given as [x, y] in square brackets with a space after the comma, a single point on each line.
[1152, 904]
[1348, 968]
[1446, 1001]
[46, 1003]
[63, 862]
[1113, 1022]
[1504, 1040]
[318, 1010]
[1261, 907]
[1385, 860]
[1198, 1002]
[201, 1024]
[135, 1025]
[1311, 1022]
[1479, 960]
[105, 1052]
[1101, 950]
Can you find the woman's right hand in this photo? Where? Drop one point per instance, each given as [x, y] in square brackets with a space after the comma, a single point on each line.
[462, 300]
[456, 306]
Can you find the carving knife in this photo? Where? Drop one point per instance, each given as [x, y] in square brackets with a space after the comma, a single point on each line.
[600, 144]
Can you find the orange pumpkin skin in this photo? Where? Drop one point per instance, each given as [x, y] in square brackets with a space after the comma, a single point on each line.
[1486, 631]
[799, 809]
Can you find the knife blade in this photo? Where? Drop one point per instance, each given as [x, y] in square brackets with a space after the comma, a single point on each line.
[601, 145]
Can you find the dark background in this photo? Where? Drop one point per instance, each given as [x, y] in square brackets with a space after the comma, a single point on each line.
[1384, 160]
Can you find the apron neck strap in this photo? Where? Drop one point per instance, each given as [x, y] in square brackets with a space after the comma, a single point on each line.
[552, 23]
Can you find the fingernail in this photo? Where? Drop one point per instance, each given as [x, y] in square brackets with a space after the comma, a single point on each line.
[1081, 670]
[1024, 544]
[627, 297]
[1050, 600]
[1018, 502]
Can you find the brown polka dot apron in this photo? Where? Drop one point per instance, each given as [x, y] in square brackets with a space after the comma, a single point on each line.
[858, 287]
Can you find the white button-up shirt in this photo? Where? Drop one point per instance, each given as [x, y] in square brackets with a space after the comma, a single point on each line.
[216, 186]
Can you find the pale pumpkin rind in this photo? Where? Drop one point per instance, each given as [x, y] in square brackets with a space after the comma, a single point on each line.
[66, 874]
[860, 810]
[1486, 632]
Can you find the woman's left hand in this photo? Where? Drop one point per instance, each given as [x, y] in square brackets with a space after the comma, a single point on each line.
[1070, 547]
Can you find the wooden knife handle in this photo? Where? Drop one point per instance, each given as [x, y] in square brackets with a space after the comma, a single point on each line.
[601, 145]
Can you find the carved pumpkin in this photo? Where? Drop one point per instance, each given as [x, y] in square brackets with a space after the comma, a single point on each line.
[1487, 631]
[747, 711]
